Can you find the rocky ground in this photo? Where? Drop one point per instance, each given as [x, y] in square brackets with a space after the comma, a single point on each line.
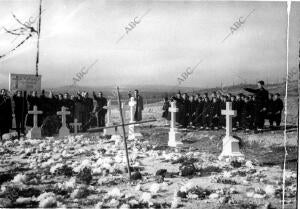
[89, 171]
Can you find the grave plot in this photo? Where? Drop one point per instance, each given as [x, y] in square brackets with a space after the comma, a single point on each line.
[89, 170]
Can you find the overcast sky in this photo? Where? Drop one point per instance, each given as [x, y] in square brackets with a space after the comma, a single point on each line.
[171, 37]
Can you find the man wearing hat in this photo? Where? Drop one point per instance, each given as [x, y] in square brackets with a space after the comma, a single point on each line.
[261, 104]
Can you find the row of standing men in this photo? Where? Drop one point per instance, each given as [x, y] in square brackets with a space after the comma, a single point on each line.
[90, 112]
[204, 112]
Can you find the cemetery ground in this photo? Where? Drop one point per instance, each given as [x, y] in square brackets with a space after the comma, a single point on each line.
[89, 171]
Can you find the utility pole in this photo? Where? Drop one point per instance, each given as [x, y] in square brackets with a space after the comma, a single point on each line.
[38, 41]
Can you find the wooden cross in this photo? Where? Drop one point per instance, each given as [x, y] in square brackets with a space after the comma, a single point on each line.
[35, 114]
[173, 110]
[75, 125]
[63, 114]
[229, 114]
[132, 104]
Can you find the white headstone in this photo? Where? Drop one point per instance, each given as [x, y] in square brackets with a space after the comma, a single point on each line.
[173, 134]
[230, 145]
[75, 125]
[131, 132]
[35, 132]
[132, 105]
[108, 131]
[63, 131]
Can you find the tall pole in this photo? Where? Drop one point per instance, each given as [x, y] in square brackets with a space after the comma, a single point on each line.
[38, 41]
[124, 136]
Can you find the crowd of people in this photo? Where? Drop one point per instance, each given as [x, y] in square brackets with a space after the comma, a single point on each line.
[90, 112]
[205, 113]
[80, 106]
[194, 110]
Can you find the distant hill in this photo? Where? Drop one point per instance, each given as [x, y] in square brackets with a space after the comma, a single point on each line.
[158, 91]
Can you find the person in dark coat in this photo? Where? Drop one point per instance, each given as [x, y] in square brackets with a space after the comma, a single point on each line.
[184, 115]
[33, 100]
[165, 108]
[191, 110]
[179, 105]
[269, 114]
[198, 115]
[79, 108]
[20, 111]
[223, 107]
[261, 104]
[100, 109]
[51, 105]
[277, 110]
[5, 113]
[239, 105]
[60, 102]
[234, 107]
[206, 113]
[139, 107]
[214, 113]
[89, 116]
[247, 116]
[69, 104]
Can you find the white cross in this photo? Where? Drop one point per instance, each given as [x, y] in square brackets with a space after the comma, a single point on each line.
[75, 125]
[132, 104]
[35, 114]
[229, 114]
[108, 107]
[63, 114]
[173, 111]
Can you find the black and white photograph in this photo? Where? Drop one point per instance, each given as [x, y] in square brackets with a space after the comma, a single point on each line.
[149, 104]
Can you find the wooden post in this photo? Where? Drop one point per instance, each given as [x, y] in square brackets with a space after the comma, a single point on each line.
[124, 136]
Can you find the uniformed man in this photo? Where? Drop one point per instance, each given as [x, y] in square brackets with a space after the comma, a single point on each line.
[178, 100]
[88, 111]
[69, 104]
[269, 114]
[246, 115]
[191, 110]
[206, 113]
[139, 106]
[198, 115]
[5, 113]
[214, 113]
[184, 111]
[239, 108]
[223, 107]
[100, 109]
[277, 110]
[20, 110]
[261, 104]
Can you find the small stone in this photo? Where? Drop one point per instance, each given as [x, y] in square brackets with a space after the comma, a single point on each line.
[138, 187]
[161, 172]
[249, 164]
[270, 190]
[154, 189]
[232, 191]
[187, 169]
[115, 192]
[146, 197]
[213, 196]
[258, 196]
[136, 176]
[175, 202]
[125, 206]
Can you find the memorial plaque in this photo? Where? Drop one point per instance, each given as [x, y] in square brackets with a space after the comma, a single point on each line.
[24, 82]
